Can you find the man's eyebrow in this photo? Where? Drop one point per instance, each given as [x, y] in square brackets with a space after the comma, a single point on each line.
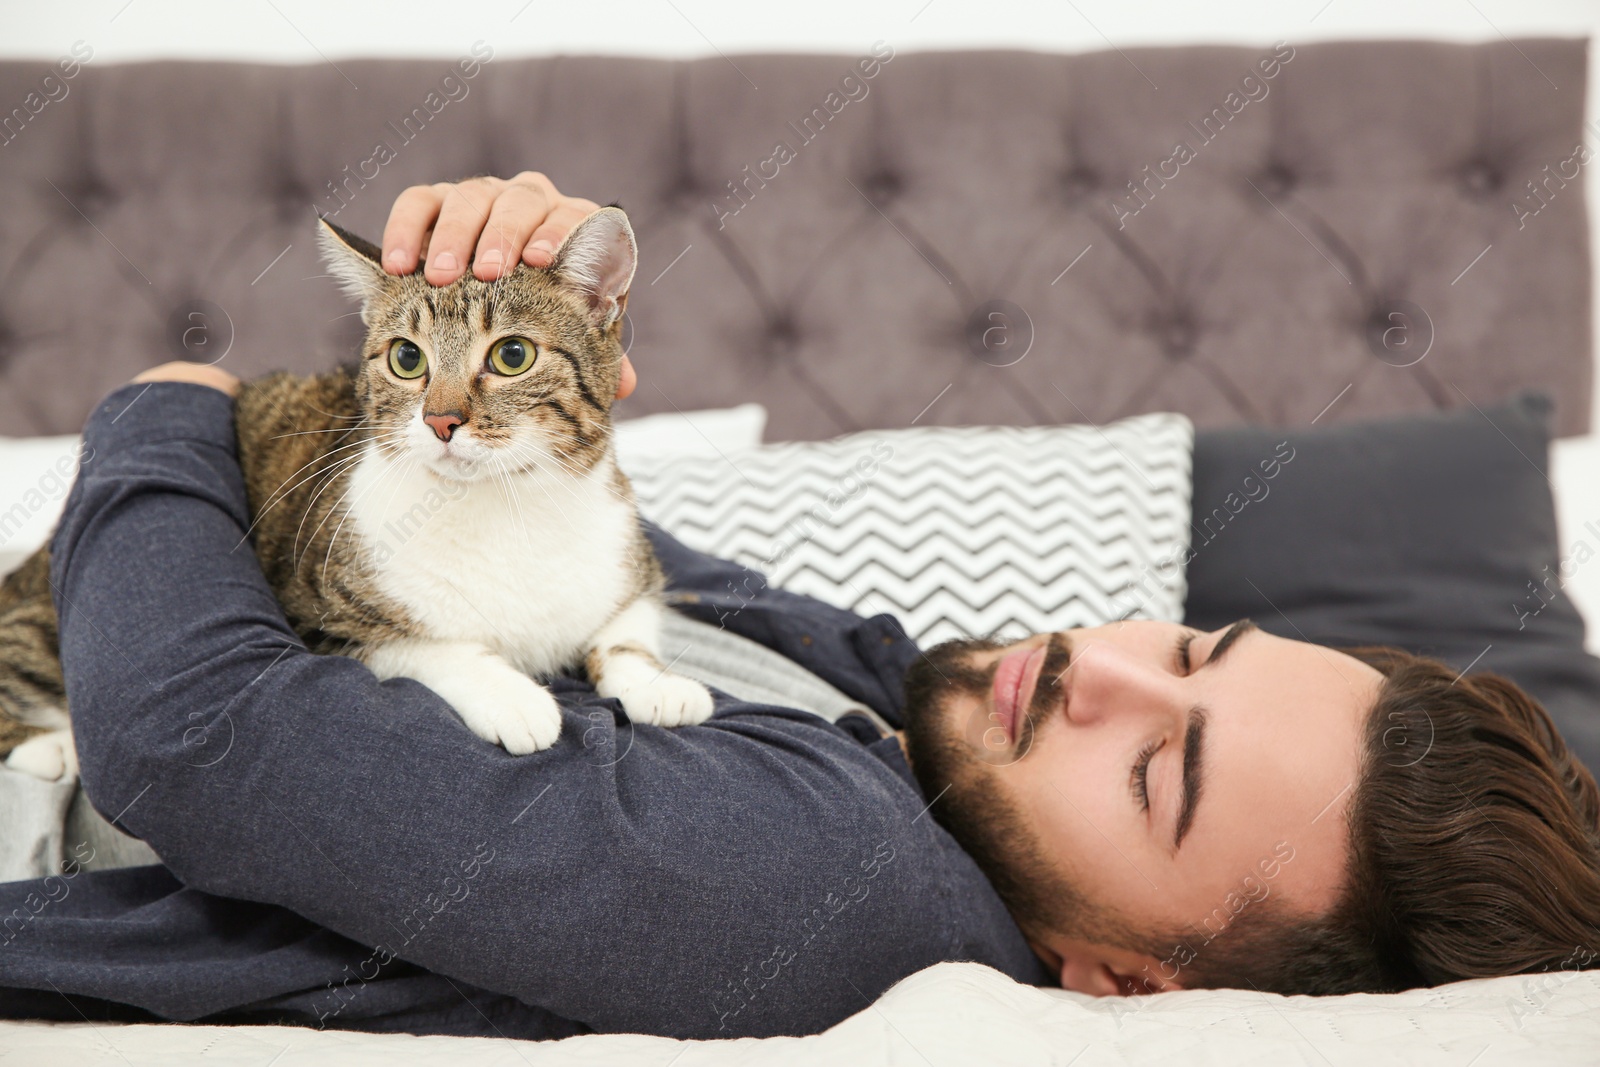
[1236, 631]
[1194, 739]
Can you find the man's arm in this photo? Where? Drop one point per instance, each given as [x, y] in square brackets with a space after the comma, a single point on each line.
[630, 878]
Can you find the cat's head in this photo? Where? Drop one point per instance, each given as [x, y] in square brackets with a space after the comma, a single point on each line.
[475, 378]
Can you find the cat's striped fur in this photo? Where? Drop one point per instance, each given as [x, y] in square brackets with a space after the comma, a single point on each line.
[467, 554]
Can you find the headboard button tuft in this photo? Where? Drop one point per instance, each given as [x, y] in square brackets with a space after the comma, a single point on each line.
[882, 185]
[1178, 337]
[87, 194]
[1479, 179]
[685, 193]
[1079, 183]
[1276, 181]
[291, 198]
[782, 335]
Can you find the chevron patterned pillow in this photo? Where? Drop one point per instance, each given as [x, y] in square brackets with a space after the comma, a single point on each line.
[956, 531]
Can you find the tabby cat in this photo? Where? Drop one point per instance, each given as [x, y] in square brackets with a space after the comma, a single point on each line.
[449, 509]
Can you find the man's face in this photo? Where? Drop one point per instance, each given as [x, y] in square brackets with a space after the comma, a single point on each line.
[1074, 760]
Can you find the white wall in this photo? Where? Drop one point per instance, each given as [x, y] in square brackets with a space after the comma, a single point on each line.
[308, 30]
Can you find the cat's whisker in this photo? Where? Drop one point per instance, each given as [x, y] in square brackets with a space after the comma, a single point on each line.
[575, 472]
[540, 483]
[508, 493]
[314, 459]
[349, 464]
[328, 452]
[577, 475]
[346, 463]
[536, 479]
[307, 433]
[520, 448]
[409, 463]
[332, 415]
[523, 447]
[337, 506]
[516, 478]
[349, 461]
[563, 437]
[311, 505]
[403, 464]
[284, 489]
[278, 494]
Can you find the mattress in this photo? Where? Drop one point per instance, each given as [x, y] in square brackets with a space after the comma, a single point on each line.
[956, 1013]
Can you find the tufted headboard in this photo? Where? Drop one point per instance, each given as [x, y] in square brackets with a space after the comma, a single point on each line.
[1274, 233]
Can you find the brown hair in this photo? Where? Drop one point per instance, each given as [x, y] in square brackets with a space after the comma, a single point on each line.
[1473, 851]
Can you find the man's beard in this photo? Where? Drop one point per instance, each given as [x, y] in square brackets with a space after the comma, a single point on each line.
[960, 758]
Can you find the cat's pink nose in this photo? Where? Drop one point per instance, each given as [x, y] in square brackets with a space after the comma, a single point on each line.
[443, 425]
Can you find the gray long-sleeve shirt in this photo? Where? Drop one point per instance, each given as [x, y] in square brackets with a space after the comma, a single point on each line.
[341, 851]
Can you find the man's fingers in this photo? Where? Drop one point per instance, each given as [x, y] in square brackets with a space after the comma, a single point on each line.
[406, 233]
[549, 235]
[463, 211]
[488, 222]
[517, 211]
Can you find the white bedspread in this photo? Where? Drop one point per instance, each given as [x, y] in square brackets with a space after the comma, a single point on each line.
[956, 1013]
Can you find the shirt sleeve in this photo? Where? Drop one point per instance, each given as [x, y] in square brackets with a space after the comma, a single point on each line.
[718, 880]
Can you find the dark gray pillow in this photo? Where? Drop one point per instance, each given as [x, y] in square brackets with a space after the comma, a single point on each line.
[1436, 533]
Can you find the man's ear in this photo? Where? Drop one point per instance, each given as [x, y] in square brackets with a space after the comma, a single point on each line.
[356, 264]
[598, 259]
[1107, 972]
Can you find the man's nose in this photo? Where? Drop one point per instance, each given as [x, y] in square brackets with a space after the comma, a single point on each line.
[443, 424]
[1106, 680]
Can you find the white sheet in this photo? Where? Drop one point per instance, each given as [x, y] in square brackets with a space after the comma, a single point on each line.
[957, 1013]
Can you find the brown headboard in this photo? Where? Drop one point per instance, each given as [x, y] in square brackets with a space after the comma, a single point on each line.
[953, 239]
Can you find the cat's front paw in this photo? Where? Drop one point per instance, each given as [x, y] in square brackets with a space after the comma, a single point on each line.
[49, 755]
[666, 700]
[510, 709]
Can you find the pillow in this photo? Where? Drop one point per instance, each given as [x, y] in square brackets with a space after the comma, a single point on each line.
[954, 530]
[706, 434]
[36, 472]
[35, 475]
[1436, 533]
[1575, 473]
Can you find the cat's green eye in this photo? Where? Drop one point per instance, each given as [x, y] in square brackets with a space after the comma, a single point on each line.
[406, 359]
[512, 355]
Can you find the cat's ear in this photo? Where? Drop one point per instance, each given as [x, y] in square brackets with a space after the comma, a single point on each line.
[598, 259]
[354, 263]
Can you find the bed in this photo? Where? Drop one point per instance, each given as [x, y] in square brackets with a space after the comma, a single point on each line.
[1362, 230]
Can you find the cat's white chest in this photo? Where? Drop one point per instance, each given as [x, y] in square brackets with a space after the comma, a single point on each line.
[530, 565]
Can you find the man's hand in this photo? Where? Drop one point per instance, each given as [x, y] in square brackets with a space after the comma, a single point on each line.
[493, 222]
[198, 373]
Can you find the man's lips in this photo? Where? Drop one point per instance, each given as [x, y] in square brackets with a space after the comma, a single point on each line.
[1014, 682]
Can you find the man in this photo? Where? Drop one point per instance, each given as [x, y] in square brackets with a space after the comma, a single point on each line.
[1126, 809]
